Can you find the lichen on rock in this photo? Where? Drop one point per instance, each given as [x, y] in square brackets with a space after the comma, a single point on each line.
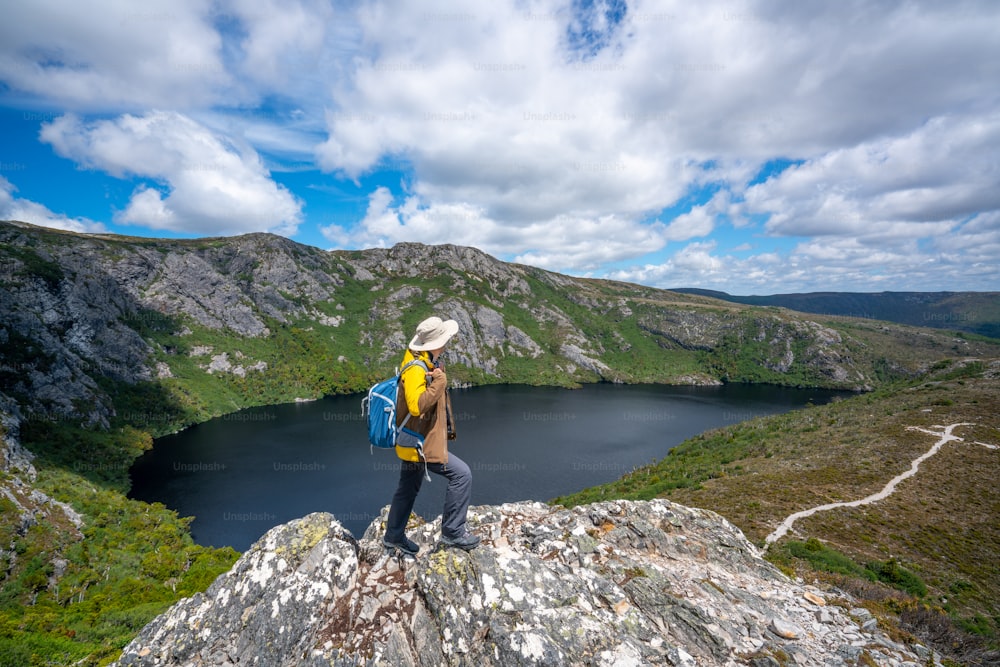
[614, 583]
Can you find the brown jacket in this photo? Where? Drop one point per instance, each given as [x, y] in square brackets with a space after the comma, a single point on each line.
[429, 406]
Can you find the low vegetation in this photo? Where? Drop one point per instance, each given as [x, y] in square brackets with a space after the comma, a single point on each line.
[130, 562]
[925, 557]
[75, 596]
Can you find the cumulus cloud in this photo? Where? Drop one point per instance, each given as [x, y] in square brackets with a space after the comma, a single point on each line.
[101, 54]
[201, 182]
[25, 210]
[676, 270]
[282, 43]
[946, 263]
[573, 135]
[183, 54]
[917, 184]
[534, 115]
[700, 221]
[497, 118]
[714, 81]
[557, 244]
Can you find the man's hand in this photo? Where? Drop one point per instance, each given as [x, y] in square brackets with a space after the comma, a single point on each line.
[437, 375]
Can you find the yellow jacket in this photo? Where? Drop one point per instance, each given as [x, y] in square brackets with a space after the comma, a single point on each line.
[428, 406]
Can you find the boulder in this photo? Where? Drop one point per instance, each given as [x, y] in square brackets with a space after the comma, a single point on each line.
[613, 583]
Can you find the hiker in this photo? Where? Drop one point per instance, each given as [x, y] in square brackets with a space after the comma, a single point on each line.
[424, 396]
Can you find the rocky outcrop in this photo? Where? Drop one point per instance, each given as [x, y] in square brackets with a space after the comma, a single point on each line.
[614, 583]
[14, 459]
[59, 334]
[480, 273]
[692, 330]
[81, 310]
[25, 506]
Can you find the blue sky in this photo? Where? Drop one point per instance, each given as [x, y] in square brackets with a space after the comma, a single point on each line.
[749, 146]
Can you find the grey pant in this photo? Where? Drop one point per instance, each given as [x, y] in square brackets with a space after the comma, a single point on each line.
[456, 497]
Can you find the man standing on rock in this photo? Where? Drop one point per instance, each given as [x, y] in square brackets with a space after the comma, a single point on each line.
[423, 403]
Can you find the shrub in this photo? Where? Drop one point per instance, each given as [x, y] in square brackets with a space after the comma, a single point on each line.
[823, 558]
[894, 574]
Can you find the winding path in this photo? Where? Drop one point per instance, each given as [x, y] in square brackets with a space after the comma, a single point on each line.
[944, 436]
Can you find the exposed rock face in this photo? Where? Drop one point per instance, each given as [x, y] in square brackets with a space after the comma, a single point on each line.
[615, 583]
[688, 330]
[79, 309]
[14, 458]
[501, 279]
[84, 316]
[28, 506]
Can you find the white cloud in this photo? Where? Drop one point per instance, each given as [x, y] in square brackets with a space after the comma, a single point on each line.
[25, 210]
[203, 183]
[735, 82]
[578, 245]
[282, 42]
[493, 110]
[184, 54]
[104, 54]
[252, 68]
[698, 257]
[560, 243]
[916, 185]
[700, 220]
[550, 131]
[495, 117]
[691, 265]
[947, 262]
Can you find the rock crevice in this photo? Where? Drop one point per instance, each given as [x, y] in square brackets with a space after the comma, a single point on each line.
[613, 583]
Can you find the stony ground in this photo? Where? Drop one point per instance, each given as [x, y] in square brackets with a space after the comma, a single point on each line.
[614, 583]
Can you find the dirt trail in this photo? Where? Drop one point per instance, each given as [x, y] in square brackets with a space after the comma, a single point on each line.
[944, 436]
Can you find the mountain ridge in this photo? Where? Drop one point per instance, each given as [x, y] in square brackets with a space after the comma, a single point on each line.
[137, 306]
[107, 342]
[975, 312]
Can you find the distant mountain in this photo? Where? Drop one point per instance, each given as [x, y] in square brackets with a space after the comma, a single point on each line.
[208, 326]
[107, 341]
[975, 312]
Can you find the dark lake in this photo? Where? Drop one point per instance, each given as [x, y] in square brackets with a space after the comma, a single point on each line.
[243, 473]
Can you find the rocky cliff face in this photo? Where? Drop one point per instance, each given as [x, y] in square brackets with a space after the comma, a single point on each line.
[80, 311]
[76, 309]
[614, 584]
[91, 326]
[28, 506]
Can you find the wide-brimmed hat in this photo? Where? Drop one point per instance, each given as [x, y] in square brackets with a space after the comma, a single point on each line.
[433, 333]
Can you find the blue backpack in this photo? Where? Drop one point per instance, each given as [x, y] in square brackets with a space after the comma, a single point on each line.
[380, 404]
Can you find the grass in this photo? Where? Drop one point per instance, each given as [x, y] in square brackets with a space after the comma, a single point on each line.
[754, 472]
[940, 526]
[131, 561]
[823, 558]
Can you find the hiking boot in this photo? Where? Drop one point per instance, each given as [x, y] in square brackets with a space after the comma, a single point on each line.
[405, 545]
[467, 541]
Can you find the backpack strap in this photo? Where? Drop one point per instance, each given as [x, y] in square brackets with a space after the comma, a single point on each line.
[401, 371]
[420, 451]
[414, 361]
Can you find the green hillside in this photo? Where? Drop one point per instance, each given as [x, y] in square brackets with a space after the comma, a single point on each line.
[937, 533]
[107, 342]
[974, 312]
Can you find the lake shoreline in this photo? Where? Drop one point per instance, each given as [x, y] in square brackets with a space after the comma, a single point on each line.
[522, 442]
